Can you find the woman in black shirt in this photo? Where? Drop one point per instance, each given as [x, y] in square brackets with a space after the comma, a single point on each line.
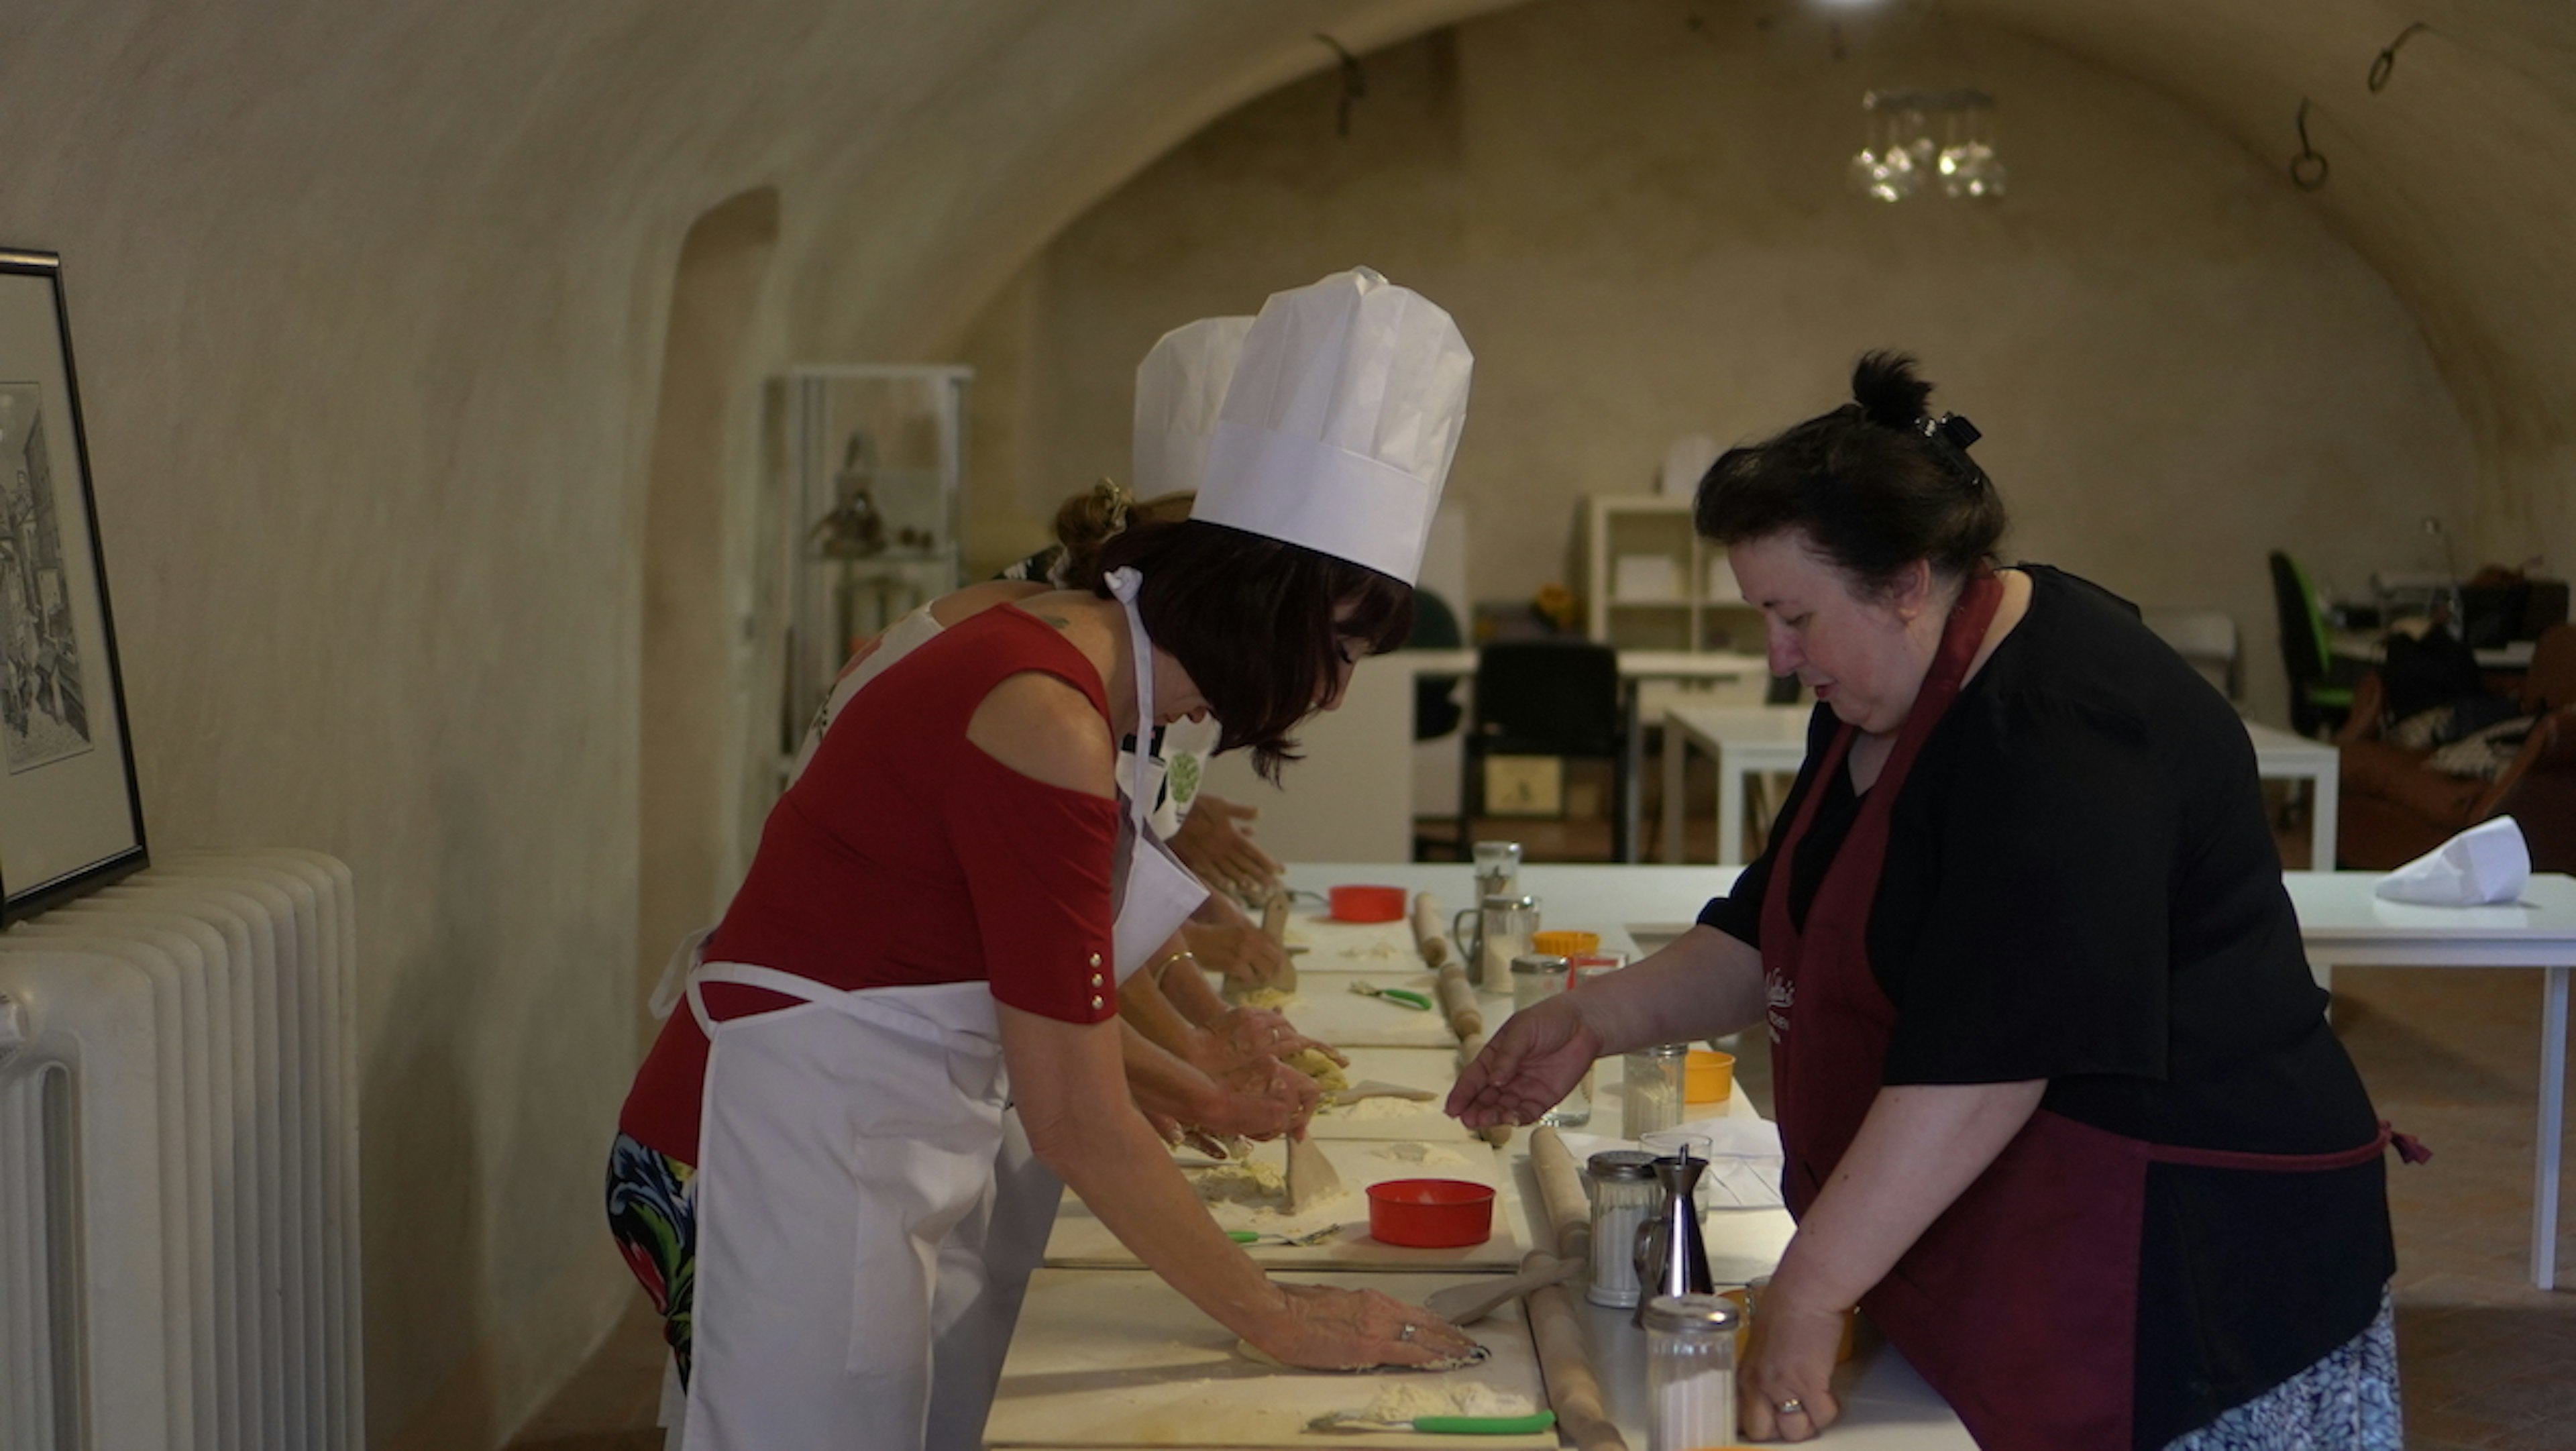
[2061, 1107]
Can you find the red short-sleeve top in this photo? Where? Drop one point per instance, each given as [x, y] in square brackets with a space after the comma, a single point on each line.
[905, 855]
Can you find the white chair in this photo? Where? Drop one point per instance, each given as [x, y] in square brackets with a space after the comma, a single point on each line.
[2206, 638]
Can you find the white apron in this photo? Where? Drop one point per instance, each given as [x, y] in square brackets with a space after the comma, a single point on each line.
[863, 1240]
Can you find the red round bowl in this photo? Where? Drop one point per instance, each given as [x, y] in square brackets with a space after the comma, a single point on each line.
[1368, 904]
[1431, 1213]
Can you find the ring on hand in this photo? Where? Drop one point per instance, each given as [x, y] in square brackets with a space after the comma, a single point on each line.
[1791, 1407]
[1405, 1334]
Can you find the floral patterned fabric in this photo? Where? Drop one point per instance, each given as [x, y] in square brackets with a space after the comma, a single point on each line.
[654, 1218]
[2345, 1402]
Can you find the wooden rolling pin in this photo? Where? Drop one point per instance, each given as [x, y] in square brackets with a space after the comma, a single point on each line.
[1458, 1000]
[1573, 1392]
[1497, 1134]
[1274, 925]
[1572, 1389]
[1560, 1192]
[1430, 930]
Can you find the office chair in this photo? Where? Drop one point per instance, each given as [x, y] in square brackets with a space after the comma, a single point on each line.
[1551, 697]
[2315, 705]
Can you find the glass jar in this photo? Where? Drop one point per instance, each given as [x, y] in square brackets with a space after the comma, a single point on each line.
[1504, 928]
[1622, 1184]
[1498, 869]
[1690, 1373]
[1652, 1089]
[1536, 977]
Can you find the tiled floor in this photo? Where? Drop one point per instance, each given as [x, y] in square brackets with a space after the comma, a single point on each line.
[2451, 1057]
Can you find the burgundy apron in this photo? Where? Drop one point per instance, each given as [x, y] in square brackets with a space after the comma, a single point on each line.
[2020, 1303]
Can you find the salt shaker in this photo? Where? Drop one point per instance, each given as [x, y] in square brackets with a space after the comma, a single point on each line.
[1536, 977]
[1653, 1088]
[1624, 1195]
[1690, 1372]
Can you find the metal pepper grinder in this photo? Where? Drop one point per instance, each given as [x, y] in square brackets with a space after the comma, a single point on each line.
[1671, 1260]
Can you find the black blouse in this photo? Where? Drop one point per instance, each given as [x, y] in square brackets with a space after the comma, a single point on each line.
[2081, 886]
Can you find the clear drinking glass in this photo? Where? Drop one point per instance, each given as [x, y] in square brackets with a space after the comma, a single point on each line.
[1651, 1090]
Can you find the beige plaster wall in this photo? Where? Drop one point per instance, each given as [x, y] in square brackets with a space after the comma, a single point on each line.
[1638, 214]
[373, 308]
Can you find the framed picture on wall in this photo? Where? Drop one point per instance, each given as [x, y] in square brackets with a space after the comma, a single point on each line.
[71, 820]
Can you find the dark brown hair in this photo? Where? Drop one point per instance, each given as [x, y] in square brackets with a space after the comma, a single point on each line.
[1874, 485]
[1097, 515]
[1251, 619]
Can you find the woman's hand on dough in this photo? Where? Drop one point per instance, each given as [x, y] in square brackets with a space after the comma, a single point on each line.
[1328, 1329]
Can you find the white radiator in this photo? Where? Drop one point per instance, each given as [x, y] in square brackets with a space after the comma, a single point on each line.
[179, 1163]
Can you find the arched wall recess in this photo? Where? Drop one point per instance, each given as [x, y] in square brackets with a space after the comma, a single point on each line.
[686, 712]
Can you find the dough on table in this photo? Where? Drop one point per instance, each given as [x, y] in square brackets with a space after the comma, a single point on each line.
[1315, 1064]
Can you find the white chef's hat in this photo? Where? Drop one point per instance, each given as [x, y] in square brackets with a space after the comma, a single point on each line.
[1337, 430]
[1178, 388]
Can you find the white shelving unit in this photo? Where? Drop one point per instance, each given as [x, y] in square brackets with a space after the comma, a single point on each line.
[1651, 583]
[875, 461]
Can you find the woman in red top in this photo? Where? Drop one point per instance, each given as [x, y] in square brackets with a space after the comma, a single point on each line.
[936, 920]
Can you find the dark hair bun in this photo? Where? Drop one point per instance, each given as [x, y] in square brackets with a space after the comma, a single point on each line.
[1888, 392]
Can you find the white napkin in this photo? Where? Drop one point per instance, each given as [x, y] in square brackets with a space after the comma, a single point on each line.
[1743, 1166]
[2489, 862]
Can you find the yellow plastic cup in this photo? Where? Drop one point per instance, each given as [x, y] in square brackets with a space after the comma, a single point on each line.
[1563, 943]
[1708, 1076]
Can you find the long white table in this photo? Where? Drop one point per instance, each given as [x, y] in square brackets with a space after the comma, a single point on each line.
[1750, 741]
[2340, 921]
[1886, 1406]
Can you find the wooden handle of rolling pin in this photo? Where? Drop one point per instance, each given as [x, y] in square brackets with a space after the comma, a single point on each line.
[1430, 930]
[1573, 1392]
[1274, 925]
[1560, 1192]
[1458, 1000]
[1468, 1047]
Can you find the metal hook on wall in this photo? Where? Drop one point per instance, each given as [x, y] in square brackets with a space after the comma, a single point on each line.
[2307, 169]
[2387, 61]
[1354, 85]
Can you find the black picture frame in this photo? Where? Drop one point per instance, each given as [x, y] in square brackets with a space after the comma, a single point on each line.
[71, 814]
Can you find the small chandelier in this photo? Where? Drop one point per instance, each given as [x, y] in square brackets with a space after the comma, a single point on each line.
[1918, 143]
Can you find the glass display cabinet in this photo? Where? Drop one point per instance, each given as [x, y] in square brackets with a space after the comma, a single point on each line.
[875, 460]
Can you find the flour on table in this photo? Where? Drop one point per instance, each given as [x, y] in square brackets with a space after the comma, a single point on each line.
[1375, 1108]
[1427, 1155]
[1259, 997]
[1412, 1400]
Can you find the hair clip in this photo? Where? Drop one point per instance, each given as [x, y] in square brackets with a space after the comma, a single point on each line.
[1952, 429]
[1950, 434]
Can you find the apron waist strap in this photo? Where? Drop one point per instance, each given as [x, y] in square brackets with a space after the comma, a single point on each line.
[2407, 1149]
[886, 1007]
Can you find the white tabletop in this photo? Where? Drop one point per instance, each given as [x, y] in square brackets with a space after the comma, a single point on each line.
[2341, 923]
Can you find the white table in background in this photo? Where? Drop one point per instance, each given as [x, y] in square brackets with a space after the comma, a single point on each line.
[1635, 668]
[2340, 922]
[1753, 740]
[2344, 925]
[2281, 756]
[1747, 740]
